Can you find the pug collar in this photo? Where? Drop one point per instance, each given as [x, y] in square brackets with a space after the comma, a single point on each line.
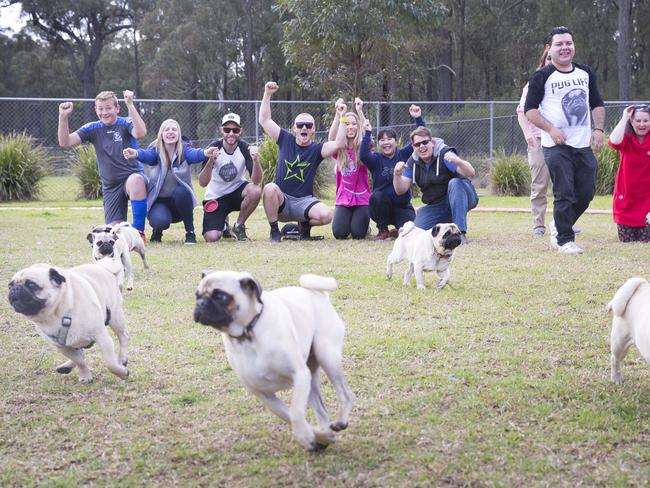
[62, 334]
[247, 334]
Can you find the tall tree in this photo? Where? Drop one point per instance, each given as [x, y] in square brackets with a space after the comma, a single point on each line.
[81, 28]
[624, 53]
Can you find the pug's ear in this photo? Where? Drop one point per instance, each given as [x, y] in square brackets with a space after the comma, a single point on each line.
[56, 277]
[205, 273]
[90, 238]
[251, 286]
[435, 230]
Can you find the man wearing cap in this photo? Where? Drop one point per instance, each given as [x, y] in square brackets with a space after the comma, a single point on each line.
[291, 197]
[226, 188]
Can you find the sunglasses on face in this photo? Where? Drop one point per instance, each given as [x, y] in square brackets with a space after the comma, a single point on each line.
[307, 125]
[228, 130]
[421, 143]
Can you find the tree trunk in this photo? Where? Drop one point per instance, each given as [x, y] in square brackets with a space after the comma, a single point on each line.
[624, 52]
[248, 50]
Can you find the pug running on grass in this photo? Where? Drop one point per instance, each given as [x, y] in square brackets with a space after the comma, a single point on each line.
[631, 323]
[72, 309]
[425, 250]
[111, 247]
[280, 339]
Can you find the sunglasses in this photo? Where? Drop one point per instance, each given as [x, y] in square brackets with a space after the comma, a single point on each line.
[228, 130]
[307, 125]
[421, 143]
[642, 108]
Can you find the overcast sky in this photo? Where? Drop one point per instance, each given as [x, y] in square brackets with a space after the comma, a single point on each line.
[10, 18]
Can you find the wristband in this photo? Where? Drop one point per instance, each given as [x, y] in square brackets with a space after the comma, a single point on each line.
[597, 128]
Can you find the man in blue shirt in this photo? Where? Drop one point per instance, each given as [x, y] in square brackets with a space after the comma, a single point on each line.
[291, 197]
[122, 179]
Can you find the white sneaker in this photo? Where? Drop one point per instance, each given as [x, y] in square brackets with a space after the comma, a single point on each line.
[569, 248]
[553, 235]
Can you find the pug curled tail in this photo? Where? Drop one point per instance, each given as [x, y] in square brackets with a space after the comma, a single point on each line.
[317, 283]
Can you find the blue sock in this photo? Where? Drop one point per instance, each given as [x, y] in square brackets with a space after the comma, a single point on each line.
[139, 210]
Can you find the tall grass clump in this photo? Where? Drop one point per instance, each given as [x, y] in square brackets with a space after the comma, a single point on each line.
[87, 172]
[608, 161]
[510, 174]
[23, 165]
[268, 154]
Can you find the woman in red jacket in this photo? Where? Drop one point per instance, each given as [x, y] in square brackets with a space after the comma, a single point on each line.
[632, 187]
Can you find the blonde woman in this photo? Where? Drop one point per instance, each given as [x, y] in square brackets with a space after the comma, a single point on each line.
[170, 196]
[351, 215]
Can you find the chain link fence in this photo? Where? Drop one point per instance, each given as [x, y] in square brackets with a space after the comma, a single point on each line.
[476, 128]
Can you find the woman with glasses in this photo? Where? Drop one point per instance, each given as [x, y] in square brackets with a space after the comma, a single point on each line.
[443, 178]
[170, 196]
[539, 175]
[351, 216]
[631, 203]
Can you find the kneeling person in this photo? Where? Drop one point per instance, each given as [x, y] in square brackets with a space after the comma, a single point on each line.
[227, 189]
[443, 178]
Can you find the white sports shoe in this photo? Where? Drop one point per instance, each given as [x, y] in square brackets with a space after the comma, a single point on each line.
[569, 248]
[553, 235]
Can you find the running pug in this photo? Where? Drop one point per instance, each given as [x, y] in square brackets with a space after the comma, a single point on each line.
[425, 250]
[71, 309]
[111, 249]
[631, 323]
[279, 339]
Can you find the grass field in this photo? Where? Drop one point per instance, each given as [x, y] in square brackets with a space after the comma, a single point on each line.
[500, 379]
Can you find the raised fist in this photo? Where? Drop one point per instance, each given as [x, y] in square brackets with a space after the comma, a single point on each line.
[271, 87]
[211, 152]
[65, 108]
[358, 105]
[128, 97]
[415, 111]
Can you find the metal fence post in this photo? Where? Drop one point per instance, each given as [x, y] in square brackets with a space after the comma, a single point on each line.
[377, 118]
[257, 124]
[491, 129]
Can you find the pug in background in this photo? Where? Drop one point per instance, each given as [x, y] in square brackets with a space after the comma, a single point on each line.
[111, 246]
[279, 339]
[71, 309]
[631, 323]
[425, 250]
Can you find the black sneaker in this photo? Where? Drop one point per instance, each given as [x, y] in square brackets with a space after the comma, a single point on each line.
[239, 232]
[190, 237]
[227, 232]
[156, 236]
[276, 235]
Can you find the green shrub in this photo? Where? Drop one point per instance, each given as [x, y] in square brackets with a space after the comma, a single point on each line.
[608, 161]
[510, 174]
[23, 163]
[268, 154]
[87, 172]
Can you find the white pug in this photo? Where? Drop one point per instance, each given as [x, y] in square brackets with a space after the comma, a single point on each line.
[72, 309]
[631, 323]
[425, 250]
[111, 246]
[279, 339]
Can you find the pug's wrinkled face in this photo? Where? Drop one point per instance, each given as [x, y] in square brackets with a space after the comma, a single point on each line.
[227, 301]
[103, 241]
[35, 289]
[446, 236]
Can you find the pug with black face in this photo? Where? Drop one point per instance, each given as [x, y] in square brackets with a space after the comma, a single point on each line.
[111, 246]
[71, 309]
[279, 339]
[425, 250]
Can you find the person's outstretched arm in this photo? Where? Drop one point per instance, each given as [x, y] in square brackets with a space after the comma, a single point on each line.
[139, 128]
[66, 139]
[617, 135]
[265, 120]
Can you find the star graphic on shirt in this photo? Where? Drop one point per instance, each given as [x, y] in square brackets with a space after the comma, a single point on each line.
[296, 169]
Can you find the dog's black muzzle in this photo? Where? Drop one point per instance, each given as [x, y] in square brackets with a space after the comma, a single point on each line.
[24, 301]
[106, 248]
[452, 241]
[207, 312]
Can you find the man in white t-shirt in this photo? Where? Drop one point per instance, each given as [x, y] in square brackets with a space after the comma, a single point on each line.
[227, 190]
[559, 100]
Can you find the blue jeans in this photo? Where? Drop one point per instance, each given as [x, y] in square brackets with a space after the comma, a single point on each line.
[166, 210]
[461, 198]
